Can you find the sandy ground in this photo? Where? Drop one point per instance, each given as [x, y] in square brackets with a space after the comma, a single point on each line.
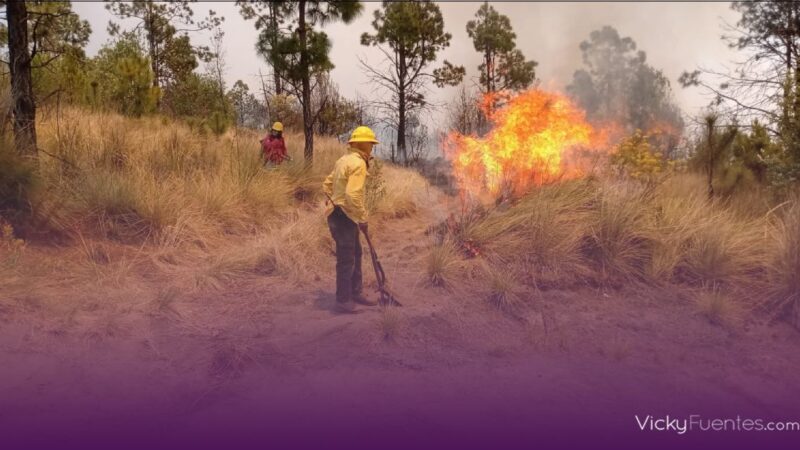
[253, 361]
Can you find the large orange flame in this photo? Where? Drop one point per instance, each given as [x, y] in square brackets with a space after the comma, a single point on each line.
[530, 138]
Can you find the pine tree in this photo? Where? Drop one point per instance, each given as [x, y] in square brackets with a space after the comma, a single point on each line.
[269, 18]
[410, 35]
[21, 84]
[163, 27]
[299, 52]
[37, 34]
[504, 66]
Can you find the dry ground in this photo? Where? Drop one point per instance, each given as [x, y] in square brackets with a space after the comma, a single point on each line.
[257, 342]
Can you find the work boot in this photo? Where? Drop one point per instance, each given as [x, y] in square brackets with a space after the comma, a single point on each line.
[361, 300]
[348, 307]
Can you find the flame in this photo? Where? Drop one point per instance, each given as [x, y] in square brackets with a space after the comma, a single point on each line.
[532, 139]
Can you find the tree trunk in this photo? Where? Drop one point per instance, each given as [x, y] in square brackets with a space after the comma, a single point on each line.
[488, 60]
[308, 124]
[151, 43]
[278, 83]
[489, 71]
[401, 126]
[710, 182]
[401, 106]
[711, 160]
[795, 117]
[153, 50]
[787, 87]
[21, 83]
[273, 16]
[483, 119]
[308, 133]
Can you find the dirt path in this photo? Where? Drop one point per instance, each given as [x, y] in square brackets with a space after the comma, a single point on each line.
[253, 361]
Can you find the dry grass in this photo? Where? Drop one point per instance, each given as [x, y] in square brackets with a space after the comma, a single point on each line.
[503, 287]
[617, 233]
[152, 179]
[390, 324]
[541, 234]
[156, 210]
[783, 269]
[617, 244]
[403, 193]
[441, 264]
[719, 307]
[138, 177]
[150, 201]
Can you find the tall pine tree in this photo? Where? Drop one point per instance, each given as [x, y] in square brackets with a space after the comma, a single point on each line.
[504, 67]
[298, 52]
[410, 35]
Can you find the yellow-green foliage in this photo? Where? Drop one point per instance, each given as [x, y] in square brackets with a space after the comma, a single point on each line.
[637, 158]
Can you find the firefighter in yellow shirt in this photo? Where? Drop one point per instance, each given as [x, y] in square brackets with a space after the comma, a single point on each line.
[345, 189]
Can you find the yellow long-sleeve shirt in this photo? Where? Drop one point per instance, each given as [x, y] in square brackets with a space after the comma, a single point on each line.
[345, 185]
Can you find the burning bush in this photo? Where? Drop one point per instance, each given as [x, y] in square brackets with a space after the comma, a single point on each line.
[531, 137]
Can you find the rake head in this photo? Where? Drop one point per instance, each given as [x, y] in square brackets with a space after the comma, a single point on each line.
[387, 298]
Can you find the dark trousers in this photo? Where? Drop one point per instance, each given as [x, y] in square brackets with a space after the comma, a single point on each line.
[348, 255]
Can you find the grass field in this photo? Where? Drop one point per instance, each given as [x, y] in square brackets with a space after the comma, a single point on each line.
[151, 199]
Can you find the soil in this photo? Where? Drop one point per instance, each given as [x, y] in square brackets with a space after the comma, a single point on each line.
[263, 359]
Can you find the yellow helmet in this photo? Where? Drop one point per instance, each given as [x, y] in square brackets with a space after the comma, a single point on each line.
[277, 126]
[362, 134]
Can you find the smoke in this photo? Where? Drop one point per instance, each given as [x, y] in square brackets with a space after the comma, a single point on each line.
[676, 37]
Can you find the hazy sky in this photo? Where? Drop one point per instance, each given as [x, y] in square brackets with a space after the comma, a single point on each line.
[676, 37]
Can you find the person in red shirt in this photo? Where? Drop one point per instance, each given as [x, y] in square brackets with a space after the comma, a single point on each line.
[273, 146]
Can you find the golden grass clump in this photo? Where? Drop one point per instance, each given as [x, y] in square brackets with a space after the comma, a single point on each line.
[783, 268]
[618, 233]
[404, 190]
[441, 264]
[298, 249]
[503, 286]
[721, 251]
[542, 233]
[718, 307]
[617, 241]
[390, 324]
[675, 217]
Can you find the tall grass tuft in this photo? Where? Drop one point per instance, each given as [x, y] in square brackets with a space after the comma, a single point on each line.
[784, 264]
[503, 288]
[617, 241]
[718, 307]
[541, 234]
[441, 264]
